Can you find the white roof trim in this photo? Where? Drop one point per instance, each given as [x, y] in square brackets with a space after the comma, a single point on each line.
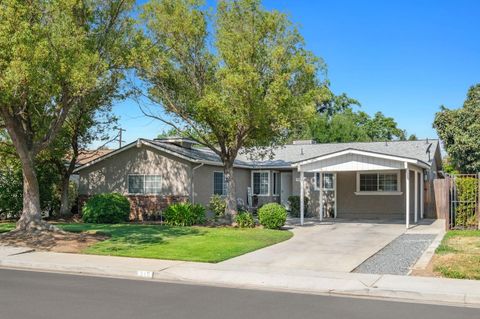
[365, 153]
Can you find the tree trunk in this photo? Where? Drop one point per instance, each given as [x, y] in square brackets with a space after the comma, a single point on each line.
[64, 197]
[231, 210]
[31, 215]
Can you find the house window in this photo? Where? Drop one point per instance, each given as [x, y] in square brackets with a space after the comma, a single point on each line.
[328, 181]
[261, 183]
[152, 184]
[378, 182]
[276, 183]
[144, 184]
[219, 183]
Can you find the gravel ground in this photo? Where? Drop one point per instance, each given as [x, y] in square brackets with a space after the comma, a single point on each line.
[397, 257]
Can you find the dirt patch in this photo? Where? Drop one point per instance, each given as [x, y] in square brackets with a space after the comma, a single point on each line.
[429, 270]
[62, 242]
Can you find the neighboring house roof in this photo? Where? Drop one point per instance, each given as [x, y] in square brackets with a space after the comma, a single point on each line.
[288, 155]
[86, 156]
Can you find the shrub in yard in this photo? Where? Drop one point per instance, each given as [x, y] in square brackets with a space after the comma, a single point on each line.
[272, 216]
[294, 203]
[217, 205]
[184, 214]
[245, 220]
[109, 208]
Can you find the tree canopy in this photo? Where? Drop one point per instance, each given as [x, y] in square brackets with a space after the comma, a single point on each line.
[346, 125]
[459, 130]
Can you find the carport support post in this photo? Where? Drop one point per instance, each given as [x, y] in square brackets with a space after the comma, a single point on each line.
[422, 190]
[302, 195]
[407, 197]
[416, 196]
[320, 197]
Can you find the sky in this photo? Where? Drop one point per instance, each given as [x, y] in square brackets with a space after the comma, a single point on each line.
[403, 58]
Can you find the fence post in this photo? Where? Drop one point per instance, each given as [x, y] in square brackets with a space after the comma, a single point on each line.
[447, 194]
[478, 201]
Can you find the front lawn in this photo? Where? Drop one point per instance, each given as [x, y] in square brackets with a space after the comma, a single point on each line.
[205, 244]
[458, 256]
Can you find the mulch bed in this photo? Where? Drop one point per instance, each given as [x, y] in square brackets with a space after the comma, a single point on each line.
[64, 242]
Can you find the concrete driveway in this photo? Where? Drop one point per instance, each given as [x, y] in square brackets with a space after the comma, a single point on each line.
[338, 247]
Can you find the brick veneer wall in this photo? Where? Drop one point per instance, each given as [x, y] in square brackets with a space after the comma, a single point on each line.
[143, 207]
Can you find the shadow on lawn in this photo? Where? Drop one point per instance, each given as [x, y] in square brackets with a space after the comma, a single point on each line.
[135, 234]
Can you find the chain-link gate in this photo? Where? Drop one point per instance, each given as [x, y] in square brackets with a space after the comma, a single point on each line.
[464, 200]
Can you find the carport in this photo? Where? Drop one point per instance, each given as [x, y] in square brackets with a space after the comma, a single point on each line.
[379, 180]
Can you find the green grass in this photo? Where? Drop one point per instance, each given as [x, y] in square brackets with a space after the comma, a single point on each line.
[5, 227]
[458, 256]
[204, 244]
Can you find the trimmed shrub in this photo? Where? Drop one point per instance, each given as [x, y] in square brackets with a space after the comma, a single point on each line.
[217, 205]
[108, 208]
[294, 203]
[245, 220]
[272, 216]
[184, 214]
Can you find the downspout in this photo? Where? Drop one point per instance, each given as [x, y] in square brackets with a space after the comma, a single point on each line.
[193, 183]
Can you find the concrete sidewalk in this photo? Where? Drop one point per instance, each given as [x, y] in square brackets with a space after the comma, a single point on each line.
[416, 289]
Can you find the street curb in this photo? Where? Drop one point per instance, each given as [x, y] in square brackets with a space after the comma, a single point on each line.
[340, 285]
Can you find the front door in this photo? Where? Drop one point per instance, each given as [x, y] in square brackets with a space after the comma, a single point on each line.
[285, 188]
[329, 192]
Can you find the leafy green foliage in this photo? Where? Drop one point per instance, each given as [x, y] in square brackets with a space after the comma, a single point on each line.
[184, 214]
[294, 203]
[245, 220]
[345, 125]
[272, 216]
[108, 208]
[467, 192]
[459, 130]
[217, 205]
[11, 185]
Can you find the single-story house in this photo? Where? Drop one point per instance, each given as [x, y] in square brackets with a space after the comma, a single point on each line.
[371, 180]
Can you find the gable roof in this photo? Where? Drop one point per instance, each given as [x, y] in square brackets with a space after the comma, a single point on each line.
[291, 154]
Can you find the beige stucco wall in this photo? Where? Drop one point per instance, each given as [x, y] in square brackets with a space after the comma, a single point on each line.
[110, 175]
[203, 182]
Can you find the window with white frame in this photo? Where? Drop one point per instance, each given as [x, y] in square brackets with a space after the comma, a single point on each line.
[378, 182]
[144, 184]
[327, 181]
[219, 183]
[261, 183]
[276, 183]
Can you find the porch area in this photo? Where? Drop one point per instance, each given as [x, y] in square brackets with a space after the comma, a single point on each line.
[363, 185]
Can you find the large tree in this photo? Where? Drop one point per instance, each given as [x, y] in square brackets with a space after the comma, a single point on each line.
[459, 130]
[346, 125]
[92, 121]
[53, 54]
[240, 78]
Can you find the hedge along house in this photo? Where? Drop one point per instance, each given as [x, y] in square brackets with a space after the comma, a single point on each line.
[376, 180]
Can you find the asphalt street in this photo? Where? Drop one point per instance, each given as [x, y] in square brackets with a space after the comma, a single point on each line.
[25, 295]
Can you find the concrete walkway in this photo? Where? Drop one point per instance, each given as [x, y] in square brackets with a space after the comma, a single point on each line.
[414, 289]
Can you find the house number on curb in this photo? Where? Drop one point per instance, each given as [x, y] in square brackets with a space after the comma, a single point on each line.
[145, 274]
